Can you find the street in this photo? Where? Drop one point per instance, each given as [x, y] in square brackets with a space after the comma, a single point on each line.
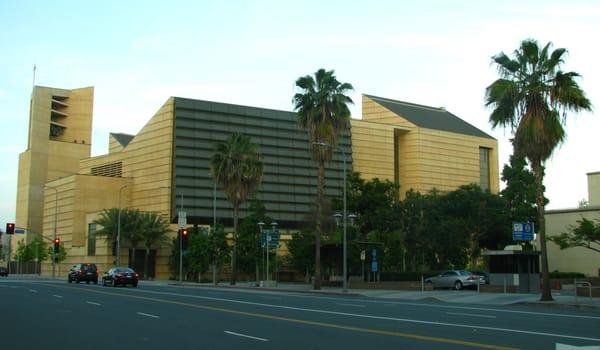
[56, 315]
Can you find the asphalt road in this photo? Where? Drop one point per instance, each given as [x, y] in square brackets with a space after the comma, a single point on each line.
[55, 315]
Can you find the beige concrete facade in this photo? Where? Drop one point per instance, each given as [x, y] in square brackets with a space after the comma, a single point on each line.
[73, 188]
[60, 127]
[576, 259]
[388, 146]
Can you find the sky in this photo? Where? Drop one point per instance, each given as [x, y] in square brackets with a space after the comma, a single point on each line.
[139, 53]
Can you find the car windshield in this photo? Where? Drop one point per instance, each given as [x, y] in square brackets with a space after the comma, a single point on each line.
[465, 273]
[124, 269]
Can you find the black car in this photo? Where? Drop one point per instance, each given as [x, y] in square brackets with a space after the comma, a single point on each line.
[3, 271]
[83, 272]
[120, 275]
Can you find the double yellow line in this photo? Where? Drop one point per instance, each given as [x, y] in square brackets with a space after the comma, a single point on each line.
[306, 322]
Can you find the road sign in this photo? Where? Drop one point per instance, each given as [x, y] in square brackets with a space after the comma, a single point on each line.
[374, 266]
[182, 219]
[272, 237]
[20, 230]
[363, 255]
[523, 231]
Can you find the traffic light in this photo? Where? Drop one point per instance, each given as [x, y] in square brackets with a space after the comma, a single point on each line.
[10, 228]
[56, 245]
[184, 238]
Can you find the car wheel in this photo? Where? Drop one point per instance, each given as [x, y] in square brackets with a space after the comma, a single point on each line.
[458, 285]
[87, 282]
[69, 279]
[77, 280]
[134, 285]
[95, 281]
[114, 283]
[104, 282]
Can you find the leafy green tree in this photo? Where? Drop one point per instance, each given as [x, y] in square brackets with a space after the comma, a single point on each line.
[199, 252]
[532, 97]
[323, 113]
[301, 250]
[410, 212]
[249, 247]
[520, 189]
[585, 234]
[219, 249]
[23, 253]
[237, 168]
[154, 231]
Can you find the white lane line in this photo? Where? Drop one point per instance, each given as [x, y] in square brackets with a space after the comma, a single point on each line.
[353, 305]
[13, 287]
[33, 291]
[245, 336]
[270, 297]
[470, 315]
[57, 296]
[147, 315]
[92, 303]
[406, 320]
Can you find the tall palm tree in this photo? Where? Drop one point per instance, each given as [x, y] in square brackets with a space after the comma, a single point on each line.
[532, 97]
[155, 233]
[237, 168]
[323, 113]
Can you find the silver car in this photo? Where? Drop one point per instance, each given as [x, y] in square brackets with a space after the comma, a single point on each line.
[457, 279]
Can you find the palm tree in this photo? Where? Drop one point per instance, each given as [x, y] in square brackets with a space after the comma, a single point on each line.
[155, 233]
[237, 167]
[132, 230]
[532, 97]
[323, 113]
[108, 220]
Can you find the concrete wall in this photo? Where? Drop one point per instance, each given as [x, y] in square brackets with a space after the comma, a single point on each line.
[572, 259]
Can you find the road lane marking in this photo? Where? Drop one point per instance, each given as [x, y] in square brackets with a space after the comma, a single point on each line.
[438, 306]
[92, 303]
[147, 315]
[245, 336]
[363, 330]
[470, 315]
[353, 305]
[57, 296]
[33, 291]
[308, 322]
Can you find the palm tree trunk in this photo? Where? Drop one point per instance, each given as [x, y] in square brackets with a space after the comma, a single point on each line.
[320, 190]
[539, 192]
[236, 208]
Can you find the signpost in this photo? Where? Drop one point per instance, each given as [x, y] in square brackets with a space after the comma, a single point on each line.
[523, 231]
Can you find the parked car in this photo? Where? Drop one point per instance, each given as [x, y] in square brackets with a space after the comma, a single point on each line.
[120, 275]
[3, 271]
[457, 279]
[483, 275]
[83, 272]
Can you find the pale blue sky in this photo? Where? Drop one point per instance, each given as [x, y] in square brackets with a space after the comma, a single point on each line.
[138, 53]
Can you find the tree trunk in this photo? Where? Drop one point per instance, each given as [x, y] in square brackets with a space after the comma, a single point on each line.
[236, 208]
[539, 192]
[320, 190]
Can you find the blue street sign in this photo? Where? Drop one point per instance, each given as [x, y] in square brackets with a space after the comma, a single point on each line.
[374, 266]
[523, 231]
[19, 230]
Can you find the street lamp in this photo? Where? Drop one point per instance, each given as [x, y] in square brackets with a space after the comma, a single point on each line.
[260, 226]
[345, 216]
[273, 227]
[54, 239]
[119, 228]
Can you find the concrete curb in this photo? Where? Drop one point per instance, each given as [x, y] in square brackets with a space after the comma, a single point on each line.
[282, 290]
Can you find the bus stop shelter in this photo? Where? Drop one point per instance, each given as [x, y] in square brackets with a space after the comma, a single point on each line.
[520, 269]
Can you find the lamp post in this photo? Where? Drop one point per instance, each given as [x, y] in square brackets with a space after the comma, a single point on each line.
[119, 228]
[260, 226]
[273, 226]
[54, 239]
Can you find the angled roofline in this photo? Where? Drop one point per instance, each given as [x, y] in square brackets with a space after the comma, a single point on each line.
[445, 121]
[123, 139]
